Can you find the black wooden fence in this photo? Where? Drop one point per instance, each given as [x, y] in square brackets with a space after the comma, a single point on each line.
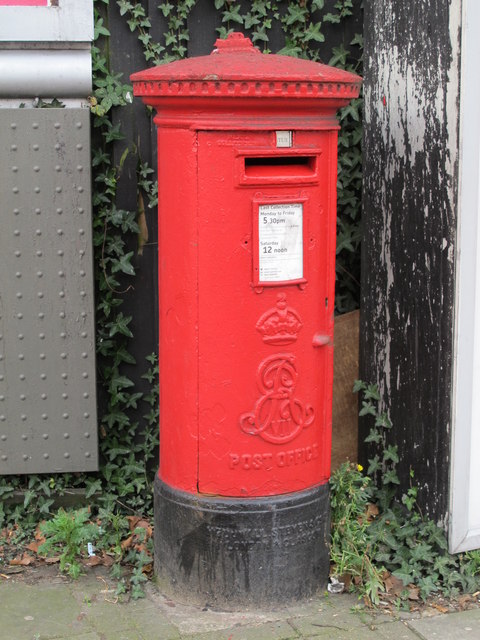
[126, 56]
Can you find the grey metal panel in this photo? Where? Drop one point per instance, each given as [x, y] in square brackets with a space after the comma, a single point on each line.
[70, 21]
[47, 363]
[39, 72]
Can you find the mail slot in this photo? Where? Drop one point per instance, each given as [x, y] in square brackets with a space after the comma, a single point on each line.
[247, 153]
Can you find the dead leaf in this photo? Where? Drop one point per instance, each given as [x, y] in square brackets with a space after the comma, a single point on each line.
[92, 561]
[133, 521]
[413, 592]
[144, 524]
[107, 560]
[10, 533]
[142, 225]
[127, 543]
[95, 561]
[23, 561]
[39, 537]
[52, 560]
[465, 600]
[393, 585]
[440, 608]
[372, 511]
[346, 578]
[11, 570]
[33, 546]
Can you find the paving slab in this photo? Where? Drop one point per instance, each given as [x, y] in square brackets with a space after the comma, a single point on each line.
[464, 625]
[88, 609]
[194, 620]
[317, 628]
[270, 631]
[48, 612]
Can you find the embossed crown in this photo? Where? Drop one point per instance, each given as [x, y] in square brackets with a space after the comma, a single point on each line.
[281, 324]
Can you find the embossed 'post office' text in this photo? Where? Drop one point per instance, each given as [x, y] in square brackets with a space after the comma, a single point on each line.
[269, 461]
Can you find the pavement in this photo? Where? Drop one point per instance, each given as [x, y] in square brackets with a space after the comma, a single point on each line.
[52, 607]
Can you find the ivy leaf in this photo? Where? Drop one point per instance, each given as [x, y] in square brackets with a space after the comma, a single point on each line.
[114, 245]
[390, 477]
[357, 40]
[233, 15]
[374, 466]
[125, 6]
[383, 420]
[117, 452]
[333, 18]
[372, 393]
[251, 21]
[121, 326]
[358, 385]
[422, 552]
[351, 110]
[367, 409]
[260, 35]
[290, 49]
[122, 355]
[339, 58]
[390, 453]
[374, 436]
[165, 8]
[406, 578]
[113, 133]
[121, 382]
[132, 400]
[314, 33]
[427, 586]
[124, 265]
[93, 487]
[296, 13]
[99, 29]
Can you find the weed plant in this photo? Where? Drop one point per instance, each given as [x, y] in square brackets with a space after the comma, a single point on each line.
[377, 534]
[68, 534]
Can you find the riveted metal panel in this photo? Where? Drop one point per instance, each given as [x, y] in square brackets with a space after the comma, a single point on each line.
[47, 363]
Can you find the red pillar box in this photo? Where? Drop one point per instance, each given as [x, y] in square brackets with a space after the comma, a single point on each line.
[247, 169]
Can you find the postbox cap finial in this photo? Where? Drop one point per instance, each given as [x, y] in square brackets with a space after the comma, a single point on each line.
[235, 41]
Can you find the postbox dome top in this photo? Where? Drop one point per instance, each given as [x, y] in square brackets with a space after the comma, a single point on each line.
[237, 68]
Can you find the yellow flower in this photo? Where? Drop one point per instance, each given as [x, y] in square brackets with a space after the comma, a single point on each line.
[359, 467]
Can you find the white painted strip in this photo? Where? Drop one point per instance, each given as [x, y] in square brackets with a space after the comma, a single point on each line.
[464, 525]
[70, 21]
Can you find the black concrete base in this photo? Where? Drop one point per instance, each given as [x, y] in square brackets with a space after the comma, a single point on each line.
[230, 552]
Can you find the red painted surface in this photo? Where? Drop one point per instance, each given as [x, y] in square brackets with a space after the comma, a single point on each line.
[23, 3]
[246, 268]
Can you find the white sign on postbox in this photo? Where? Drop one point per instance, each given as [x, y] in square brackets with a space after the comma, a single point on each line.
[280, 242]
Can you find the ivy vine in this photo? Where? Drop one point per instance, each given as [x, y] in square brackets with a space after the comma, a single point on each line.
[303, 24]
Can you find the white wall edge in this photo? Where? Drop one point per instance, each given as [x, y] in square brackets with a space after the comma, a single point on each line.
[464, 530]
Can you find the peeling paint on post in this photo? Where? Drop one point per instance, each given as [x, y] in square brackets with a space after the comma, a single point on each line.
[412, 51]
